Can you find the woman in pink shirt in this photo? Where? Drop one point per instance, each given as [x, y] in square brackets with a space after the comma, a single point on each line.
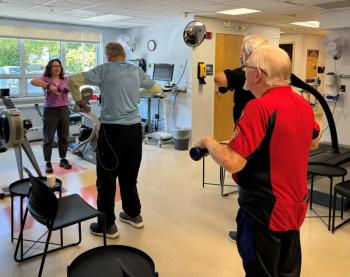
[56, 112]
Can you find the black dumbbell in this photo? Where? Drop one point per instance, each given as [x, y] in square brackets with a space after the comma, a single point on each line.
[197, 153]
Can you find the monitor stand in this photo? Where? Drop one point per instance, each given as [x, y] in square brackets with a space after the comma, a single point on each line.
[169, 86]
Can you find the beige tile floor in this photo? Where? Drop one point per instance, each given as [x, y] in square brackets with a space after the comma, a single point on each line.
[186, 225]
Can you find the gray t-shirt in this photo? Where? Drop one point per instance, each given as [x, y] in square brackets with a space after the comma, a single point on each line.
[119, 84]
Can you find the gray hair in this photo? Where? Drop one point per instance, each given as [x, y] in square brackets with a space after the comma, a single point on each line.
[113, 49]
[252, 42]
[275, 62]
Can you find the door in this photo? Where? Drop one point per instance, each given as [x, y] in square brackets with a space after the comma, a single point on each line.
[227, 55]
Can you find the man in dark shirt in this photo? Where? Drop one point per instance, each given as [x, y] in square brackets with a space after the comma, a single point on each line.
[233, 80]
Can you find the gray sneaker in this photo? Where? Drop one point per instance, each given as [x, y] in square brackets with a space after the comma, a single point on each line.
[111, 232]
[232, 235]
[136, 221]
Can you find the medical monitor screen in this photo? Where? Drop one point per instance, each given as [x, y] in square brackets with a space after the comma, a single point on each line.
[163, 72]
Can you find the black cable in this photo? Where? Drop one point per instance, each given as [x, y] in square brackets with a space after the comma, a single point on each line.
[175, 98]
[182, 74]
[183, 71]
[337, 96]
[335, 104]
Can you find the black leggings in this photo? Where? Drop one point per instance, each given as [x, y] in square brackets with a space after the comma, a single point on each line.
[55, 119]
[119, 153]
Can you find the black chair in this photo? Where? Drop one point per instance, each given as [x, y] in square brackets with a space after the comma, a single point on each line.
[330, 171]
[55, 214]
[343, 189]
[21, 189]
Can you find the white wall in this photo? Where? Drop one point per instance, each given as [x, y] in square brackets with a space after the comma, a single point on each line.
[170, 49]
[203, 95]
[342, 108]
[303, 42]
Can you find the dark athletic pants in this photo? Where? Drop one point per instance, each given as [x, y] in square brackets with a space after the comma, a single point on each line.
[119, 153]
[55, 119]
[265, 252]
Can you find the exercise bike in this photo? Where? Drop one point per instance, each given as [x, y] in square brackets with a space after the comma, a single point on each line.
[13, 134]
[86, 145]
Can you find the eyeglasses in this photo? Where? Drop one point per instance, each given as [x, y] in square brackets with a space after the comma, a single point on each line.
[245, 66]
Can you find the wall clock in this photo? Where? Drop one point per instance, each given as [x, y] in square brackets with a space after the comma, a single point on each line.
[151, 45]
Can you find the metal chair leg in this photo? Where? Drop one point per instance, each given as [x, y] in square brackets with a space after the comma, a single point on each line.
[330, 204]
[20, 238]
[311, 190]
[334, 207]
[45, 252]
[11, 217]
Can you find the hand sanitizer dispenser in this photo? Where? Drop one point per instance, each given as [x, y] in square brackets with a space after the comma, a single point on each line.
[331, 87]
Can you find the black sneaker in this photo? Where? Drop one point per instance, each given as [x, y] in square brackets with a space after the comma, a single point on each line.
[136, 221]
[65, 164]
[49, 168]
[232, 235]
[111, 232]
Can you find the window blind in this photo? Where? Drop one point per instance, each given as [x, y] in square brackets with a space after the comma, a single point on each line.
[48, 34]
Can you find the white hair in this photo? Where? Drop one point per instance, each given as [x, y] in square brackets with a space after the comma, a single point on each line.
[252, 42]
[275, 62]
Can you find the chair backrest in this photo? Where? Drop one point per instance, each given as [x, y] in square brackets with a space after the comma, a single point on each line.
[42, 204]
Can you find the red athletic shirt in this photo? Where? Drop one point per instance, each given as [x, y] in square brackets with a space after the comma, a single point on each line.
[274, 134]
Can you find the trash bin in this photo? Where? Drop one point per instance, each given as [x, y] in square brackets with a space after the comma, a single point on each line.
[182, 138]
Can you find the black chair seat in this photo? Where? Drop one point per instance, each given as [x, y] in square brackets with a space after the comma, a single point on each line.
[328, 170]
[72, 209]
[112, 261]
[343, 188]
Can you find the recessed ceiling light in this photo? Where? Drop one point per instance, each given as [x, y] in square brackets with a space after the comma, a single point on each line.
[106, 18]
[239, 11]
[310, 24]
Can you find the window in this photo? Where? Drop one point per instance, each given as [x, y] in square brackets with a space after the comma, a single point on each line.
[9, 56]
[12, 84]
[38, 53]
[80, 57]
[34, 56]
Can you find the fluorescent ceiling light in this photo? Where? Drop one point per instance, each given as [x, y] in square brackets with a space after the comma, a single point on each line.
[105, 18]
[310, 24]
[239, 11]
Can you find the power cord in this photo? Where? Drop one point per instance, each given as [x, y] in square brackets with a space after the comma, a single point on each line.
[113, 153]
[183, 71]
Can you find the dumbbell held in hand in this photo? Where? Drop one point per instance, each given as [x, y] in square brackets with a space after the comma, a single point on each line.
[197, 153]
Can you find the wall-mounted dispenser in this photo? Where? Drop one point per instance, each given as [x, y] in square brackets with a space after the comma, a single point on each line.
[201, 73]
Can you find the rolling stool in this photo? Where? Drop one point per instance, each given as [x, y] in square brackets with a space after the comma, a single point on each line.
[343, 189]
[330, 171]
[21, 188]
[112, 260]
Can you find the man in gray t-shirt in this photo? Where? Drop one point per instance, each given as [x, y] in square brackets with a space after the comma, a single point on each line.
[119, 147]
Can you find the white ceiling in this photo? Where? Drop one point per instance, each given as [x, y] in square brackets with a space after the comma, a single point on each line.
[148, 12]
